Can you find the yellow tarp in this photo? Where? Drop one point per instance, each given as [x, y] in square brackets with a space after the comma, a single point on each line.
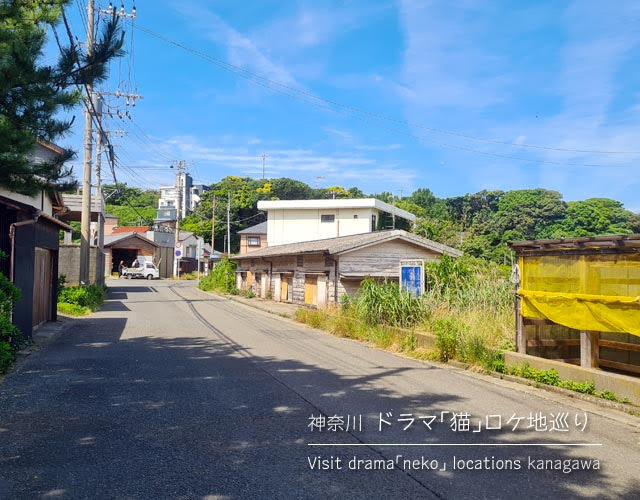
[600, 313]
[598, 292]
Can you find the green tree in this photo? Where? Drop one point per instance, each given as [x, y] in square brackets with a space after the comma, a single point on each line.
[424, 198]
[33, 94]
[592, 217]
[529, 212]
[290, 189]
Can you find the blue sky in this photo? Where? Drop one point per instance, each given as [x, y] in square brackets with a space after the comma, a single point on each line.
[562, 75]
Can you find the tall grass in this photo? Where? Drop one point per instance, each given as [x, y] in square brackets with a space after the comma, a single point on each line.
[384, 303]
[468, 307]
[472, 307]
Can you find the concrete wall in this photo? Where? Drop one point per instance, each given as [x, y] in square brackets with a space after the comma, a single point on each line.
[295, 225]
[622, 385]
[69, 263]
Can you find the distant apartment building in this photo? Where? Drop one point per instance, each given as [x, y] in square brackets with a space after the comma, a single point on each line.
[294, 221]
[168, 202]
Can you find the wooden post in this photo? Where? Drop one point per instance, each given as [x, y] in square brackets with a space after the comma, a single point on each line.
[589, 349]
[521, 334]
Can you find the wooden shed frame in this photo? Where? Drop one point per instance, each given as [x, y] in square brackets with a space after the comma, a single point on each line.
[589, 342]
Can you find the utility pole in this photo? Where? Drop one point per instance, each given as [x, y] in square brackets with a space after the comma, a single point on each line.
[393, 215]
[228, 223]
[176, 267]
[100, 221]
[213, 225]
[85, 220]
[264, 160]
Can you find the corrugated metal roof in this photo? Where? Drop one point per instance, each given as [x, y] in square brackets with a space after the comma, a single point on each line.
[349, 243]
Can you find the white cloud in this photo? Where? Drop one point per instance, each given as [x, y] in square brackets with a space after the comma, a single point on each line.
[241, 49]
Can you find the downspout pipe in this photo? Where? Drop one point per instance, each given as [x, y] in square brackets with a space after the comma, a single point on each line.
[12, 236]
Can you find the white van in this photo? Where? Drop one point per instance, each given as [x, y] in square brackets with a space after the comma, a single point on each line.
[146, 270]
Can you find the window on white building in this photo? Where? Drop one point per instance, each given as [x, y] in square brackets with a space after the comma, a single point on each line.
[328, 218]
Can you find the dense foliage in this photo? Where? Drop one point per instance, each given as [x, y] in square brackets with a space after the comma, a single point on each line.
[481, 224]
[80, 300]
[11, 339]
[133, 206]
[222, 278]
[32, 93]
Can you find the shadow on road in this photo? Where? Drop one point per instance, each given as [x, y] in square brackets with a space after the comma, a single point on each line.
[97, 416]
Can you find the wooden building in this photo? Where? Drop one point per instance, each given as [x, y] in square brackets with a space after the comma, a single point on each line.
[29, 242]
[579, 301]
[319, 272]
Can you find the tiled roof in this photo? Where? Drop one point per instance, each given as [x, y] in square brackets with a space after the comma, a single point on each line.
[257, 229]
[348, 243]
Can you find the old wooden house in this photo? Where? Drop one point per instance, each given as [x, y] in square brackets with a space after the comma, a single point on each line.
[319, 272]
[29, 244]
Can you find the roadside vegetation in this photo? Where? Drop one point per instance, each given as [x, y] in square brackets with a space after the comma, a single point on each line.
[186, 276]
[11, 339]
[222, 278]
[468, 308]
[79, 300]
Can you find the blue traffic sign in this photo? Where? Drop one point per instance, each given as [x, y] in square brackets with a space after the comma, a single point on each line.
[178, 253]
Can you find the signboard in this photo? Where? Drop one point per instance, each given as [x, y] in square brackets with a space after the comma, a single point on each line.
[178, 245]
[412, 276]
[178, 253]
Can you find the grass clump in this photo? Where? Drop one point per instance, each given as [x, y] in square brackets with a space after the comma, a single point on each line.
[551, 377]
[222, 278]
[80, 300]
[73, 309]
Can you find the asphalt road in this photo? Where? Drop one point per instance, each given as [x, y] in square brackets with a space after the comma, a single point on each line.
[169, 392]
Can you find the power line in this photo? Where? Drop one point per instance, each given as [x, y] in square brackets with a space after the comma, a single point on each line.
[250, 76]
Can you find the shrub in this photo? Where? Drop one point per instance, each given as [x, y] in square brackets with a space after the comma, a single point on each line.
[447, 338]
[91, 296]
[222, 278]
[249, 294]
[11, 339]
[189, 276]
[72, 309]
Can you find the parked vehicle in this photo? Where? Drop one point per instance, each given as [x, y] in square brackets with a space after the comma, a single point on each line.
[148, 270]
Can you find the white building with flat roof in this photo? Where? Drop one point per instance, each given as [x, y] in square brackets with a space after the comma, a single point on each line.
[293, 221]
